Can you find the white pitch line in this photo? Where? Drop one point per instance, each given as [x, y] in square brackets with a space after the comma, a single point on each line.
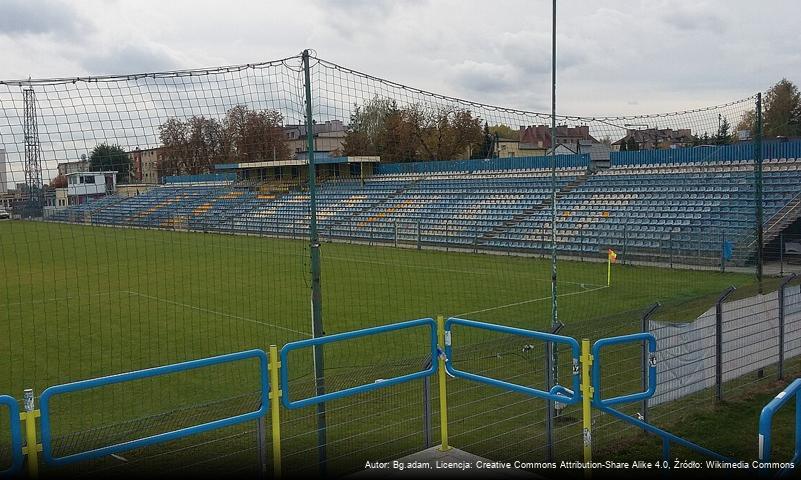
[532, 301]
[214, 312]
[58, 299]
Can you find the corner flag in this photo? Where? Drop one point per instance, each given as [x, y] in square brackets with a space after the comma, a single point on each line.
[611, 258]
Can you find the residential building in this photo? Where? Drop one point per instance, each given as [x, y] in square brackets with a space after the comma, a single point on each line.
[65, 168]
[145, 165]
[538, 137]
[651, 138]
[329, 136]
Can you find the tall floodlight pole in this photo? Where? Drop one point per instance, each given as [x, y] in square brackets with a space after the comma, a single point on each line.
[33, 160]
[316, 293]
[552, 368]
[758, 190]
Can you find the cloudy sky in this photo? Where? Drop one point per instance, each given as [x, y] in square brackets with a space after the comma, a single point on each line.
[616, 56]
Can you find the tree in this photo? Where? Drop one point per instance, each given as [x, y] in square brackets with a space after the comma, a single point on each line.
[252, 136]
[105, 157]
[195, 145]
[505, 131]
[60, 181]
[724, 135]
[487, 144]
[380, 127]
[747, 122]
[782, 114]
[632, 145]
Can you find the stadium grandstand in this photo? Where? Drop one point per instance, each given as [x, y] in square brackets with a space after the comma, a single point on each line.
[684, 208]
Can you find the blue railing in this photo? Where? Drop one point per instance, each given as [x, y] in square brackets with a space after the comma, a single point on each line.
[596, 368]
[562, 396]
[766, 422]
[49, 393]
[17, 457]
[477, 165]
[605, 405]
[379, 383]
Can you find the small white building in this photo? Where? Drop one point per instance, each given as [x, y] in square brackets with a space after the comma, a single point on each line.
[85, 186]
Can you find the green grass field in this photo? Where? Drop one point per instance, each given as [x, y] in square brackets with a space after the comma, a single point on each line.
[80, 301]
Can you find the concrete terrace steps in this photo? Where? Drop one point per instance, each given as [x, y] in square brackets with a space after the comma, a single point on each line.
[520, 217]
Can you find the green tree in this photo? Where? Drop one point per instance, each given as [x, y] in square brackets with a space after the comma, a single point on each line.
[105, 157]
[411, 133]
[782, 115]
[724, 134]
[505, 131]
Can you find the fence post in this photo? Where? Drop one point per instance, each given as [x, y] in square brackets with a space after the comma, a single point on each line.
[781, 255]
[418, 235]
[722, 255]
[645, 328]
[275, 409]
[396, 234]
[32, 448]
[719, 342]
[261, 446]
[783, 285]
[442, 376]
[587, 393]
[549, 405]
[670, 248]
[427, 442]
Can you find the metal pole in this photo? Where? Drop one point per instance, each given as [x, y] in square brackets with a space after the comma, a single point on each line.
[554, 304]
[758, 183]
[261, 446]
[549, 405]
[783, 285]
[722, 253]
[719, 342]
[781, 254]
[418, 235]
[427, 440]
[316, 292]
[645, 328]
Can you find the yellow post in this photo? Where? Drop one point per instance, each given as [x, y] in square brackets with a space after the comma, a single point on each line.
[608, 271]
[31, 448]
[275, 409]
[586, 403]
[443, 392]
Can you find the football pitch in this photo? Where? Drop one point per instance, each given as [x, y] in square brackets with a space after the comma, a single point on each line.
[84, 301]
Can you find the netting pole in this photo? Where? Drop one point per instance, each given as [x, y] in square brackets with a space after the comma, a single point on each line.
[645, 328]
[316, 292]
[553, 379]
[758, 185]
[719, 342]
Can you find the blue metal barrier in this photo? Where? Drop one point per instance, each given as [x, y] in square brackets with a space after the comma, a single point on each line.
[605, 405]
[596, 368]
[44, 406]
[766, 421]
[667, 437]
[554, 395]
[17, 458]
[294, 404]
